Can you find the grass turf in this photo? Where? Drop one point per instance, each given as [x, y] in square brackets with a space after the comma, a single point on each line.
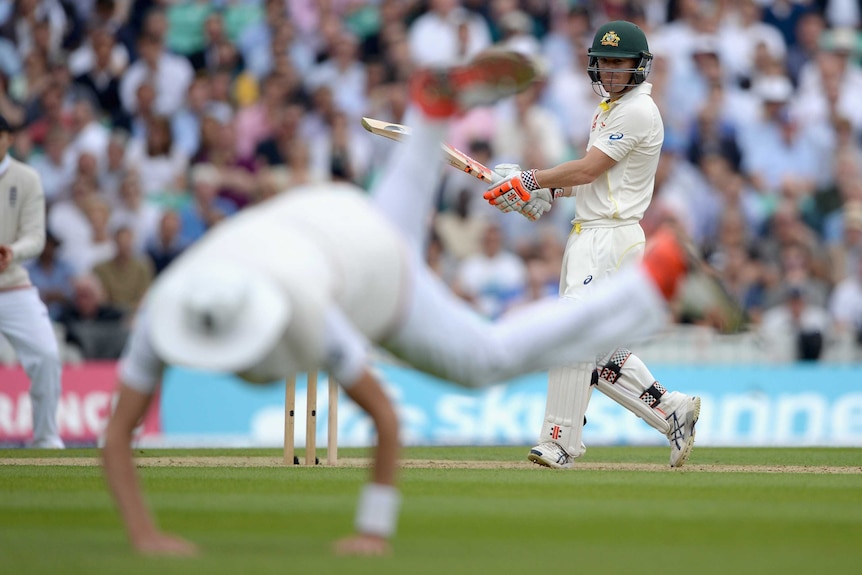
[59, 519]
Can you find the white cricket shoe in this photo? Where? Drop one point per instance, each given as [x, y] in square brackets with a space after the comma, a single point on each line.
[551, 454]
[681, 434]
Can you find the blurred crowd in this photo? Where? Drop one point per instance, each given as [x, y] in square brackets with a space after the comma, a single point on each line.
[149, 121]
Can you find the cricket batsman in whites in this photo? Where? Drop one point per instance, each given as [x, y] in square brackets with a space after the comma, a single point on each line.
[613, 186]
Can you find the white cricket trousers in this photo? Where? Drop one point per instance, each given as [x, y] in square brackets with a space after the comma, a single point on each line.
[444, 336]
[25, 323]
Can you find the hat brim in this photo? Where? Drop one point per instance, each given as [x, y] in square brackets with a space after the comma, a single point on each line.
[264, 317]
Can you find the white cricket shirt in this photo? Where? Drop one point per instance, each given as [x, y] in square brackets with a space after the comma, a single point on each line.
[629, 130]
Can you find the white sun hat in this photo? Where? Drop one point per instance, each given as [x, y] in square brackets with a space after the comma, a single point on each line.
[217, 316]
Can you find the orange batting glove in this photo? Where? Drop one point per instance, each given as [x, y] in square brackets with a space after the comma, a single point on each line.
[511, 194]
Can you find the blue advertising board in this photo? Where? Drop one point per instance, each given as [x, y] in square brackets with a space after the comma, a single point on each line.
[787, 405]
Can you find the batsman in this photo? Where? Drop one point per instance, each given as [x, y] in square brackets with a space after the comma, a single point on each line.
[612, 185]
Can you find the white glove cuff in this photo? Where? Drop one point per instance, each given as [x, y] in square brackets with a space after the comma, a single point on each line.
[377, 513]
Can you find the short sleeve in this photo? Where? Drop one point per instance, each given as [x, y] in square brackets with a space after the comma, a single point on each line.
[139, 367]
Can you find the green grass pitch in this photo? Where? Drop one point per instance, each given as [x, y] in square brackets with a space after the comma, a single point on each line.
[783, 511]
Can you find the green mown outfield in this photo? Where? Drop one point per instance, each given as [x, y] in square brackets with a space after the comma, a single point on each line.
[731, 511]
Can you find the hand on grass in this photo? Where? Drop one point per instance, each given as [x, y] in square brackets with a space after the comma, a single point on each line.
[363, 546]
[165, 545]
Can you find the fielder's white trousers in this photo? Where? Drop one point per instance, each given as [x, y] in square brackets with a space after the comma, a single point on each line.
[25, 323]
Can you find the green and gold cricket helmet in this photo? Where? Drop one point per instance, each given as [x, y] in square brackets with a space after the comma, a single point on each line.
[620, 39]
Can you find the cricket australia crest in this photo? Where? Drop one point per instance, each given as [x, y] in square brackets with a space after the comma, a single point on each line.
[611, 38]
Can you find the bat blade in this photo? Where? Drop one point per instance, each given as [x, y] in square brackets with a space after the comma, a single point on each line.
[453, 156]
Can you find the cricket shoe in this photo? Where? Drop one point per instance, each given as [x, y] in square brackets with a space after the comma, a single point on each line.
[681, 434]
[490, 76]
[677, 269]
[551, 454]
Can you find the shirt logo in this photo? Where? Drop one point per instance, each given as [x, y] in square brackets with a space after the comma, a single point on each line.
[13, 196]
[616, 136]
[588, 280]
[611, 38]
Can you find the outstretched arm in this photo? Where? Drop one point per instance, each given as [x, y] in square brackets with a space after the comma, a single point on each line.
[122, 478]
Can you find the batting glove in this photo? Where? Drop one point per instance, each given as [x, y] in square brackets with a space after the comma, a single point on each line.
[540, 202]
[511, 194]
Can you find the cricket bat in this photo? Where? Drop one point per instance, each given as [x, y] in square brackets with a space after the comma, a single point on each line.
[453, 156]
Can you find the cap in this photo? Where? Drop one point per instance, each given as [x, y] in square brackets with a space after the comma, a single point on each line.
[516, 21]
[777, 89]
[216, 316]
[705, 45]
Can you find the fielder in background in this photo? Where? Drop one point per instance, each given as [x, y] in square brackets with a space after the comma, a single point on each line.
[311, 279]
[613, 186]
[23, 316]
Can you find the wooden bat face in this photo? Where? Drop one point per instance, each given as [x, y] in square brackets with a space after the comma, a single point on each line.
[453, 156]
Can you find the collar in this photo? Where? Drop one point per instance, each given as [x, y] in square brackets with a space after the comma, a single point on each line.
[643, 88]
[4, 165]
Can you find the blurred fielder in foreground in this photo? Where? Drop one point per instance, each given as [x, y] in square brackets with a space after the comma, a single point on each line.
[313, 278]
[613, 185]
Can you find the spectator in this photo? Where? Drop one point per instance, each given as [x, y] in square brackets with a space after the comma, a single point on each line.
[236, 175]
[88, 135]
[779, 155]
[846, 254]
[158, 158]
[742, 33]
[256, 123]
[52, 276]
[92, 325]
[125, 277]
[345, 76]
[275, 149]
[809, 28]
[845, 305]
[171, 76]
[796, 329]
[186, 123]
[55, 173]
[206, 208]
[100, 247]
[447, 34]
[98, 67]
[185, 34]
[11, 109]
[133, 212]
[493, 279]
[459, 234]
[114, 170]
[167, 242]
[530, 129]
[341, 153]
[67, 221]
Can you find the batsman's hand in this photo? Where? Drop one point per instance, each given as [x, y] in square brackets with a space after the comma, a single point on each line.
[540, 202]
[512, 193]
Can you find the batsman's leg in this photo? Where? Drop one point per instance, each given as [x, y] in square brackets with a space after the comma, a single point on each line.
[560, 441]
[626, 379]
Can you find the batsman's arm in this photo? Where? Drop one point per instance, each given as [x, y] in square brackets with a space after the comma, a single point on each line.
[123, 482]
[576, 172]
